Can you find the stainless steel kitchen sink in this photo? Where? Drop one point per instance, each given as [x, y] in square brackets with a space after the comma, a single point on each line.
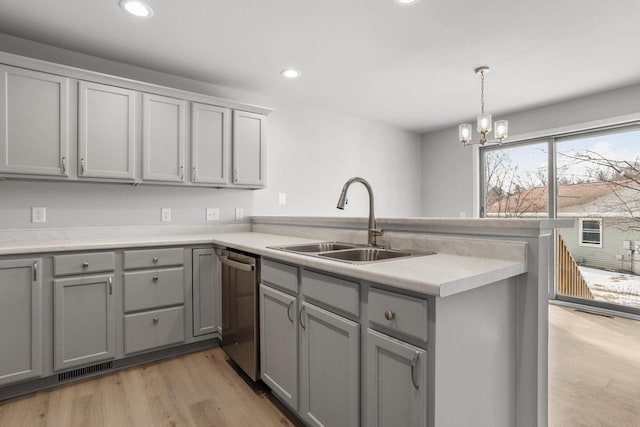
[318, 247]
[349, 252]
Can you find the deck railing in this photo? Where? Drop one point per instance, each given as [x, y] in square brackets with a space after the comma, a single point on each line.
[570, 280]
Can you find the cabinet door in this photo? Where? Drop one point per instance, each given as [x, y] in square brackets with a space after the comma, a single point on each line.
[106, 131]
[84, 321]
[205, 299]
[279, 344]
[210, 140]
[20, 322]
[34, 122]
[329, 368]
[249, 149]
[163, 138]
[396, 382]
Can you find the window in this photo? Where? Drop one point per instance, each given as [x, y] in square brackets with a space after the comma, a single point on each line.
[590, 232]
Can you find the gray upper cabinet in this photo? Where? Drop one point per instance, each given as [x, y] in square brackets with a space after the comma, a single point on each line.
[84, 321]
[163, 136]
[396, 392]
[106, 131]
[279, 344]
[205, 292]
[34, 122]
[249, 149]
[20, 320]
[210, 144]
[329, 368]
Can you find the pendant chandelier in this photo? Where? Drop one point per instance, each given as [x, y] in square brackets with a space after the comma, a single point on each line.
[501, 127]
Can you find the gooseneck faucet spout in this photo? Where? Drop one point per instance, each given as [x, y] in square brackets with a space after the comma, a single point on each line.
[373, 231]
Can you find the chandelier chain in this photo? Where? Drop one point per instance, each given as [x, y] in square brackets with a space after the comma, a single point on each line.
[482, 91]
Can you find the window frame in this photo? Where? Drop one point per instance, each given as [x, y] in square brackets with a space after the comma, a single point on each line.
[581, 241]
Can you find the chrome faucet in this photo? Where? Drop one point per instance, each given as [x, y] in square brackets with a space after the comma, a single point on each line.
[373, 231]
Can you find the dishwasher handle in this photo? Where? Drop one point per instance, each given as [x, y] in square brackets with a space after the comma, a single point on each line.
[238, 265]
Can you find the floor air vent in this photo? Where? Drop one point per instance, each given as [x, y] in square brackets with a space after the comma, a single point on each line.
[81, 372]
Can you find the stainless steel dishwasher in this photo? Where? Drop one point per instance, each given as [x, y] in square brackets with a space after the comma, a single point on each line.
[240, 320]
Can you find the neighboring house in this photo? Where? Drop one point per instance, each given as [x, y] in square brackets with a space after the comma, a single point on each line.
[603, 235]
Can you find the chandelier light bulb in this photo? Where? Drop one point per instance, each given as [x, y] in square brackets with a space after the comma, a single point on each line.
[464, 133]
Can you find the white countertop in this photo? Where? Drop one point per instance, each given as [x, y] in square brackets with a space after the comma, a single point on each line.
[442, 274]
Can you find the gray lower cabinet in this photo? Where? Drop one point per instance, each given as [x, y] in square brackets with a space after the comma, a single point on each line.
[396, 392]
[329, 368]
[106, 131]
[279, 343]
[84, 321]
[205, 292]
[249, 149]
[34, 122]
[152, 329]
[20, 320]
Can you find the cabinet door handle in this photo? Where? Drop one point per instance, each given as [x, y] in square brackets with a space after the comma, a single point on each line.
[181, 172]
[301, 316]
[289, 315]
[85, 265]
[389, 315]
[155, 259]
[82, 166]
[64, 164]
[155, 278]
[235, 175]
[155, 320]
[35, 271]
[414, 379]
[194, 173]
[110, 283]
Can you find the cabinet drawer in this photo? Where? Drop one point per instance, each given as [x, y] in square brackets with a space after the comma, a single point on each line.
[151, 329]
[333, 292]
[408, 314]
[280, 275]
[156, 288]
[153, 258]
[83, 263]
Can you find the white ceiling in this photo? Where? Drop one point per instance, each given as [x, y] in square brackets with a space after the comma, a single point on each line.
[408, 66]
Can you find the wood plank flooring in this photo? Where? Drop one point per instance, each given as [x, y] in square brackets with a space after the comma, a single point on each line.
[594, 376]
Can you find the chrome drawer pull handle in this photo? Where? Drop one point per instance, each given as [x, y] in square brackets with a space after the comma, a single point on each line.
[155, 278]
[110, 283]
[389, 315]
[155, 259]
[85, 265]
[414, 379]
[155, 320]
[64, 165]
[301, 316]
[289, 315]
[82, 166]
[35, 271]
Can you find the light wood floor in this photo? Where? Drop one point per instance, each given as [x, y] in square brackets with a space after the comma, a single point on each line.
[594, 372]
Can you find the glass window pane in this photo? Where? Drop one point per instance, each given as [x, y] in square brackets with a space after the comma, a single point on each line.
[598, 184]
[516, 181]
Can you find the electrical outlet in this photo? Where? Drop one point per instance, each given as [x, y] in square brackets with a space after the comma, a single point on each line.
[212, 214]
[239, 214]
[165, 214]
[39, 214]
[282, 198]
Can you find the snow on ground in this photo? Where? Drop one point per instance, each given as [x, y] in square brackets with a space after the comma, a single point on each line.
[609, 286]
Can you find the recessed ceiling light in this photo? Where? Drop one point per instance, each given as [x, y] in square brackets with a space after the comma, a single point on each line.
[406, 2]
[290, 73]
[137, 8]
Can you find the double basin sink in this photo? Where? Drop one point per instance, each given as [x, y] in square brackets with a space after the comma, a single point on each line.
[348, 252]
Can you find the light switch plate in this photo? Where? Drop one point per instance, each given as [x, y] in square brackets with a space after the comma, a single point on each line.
[239, 214]
[282, 198]
[212, 214]
[38, 214]
[165, 214]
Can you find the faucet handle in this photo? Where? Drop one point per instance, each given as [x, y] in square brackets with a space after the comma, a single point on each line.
[376, 231]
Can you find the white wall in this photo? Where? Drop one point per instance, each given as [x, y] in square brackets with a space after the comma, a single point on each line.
[310, 153]
[449, 168]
